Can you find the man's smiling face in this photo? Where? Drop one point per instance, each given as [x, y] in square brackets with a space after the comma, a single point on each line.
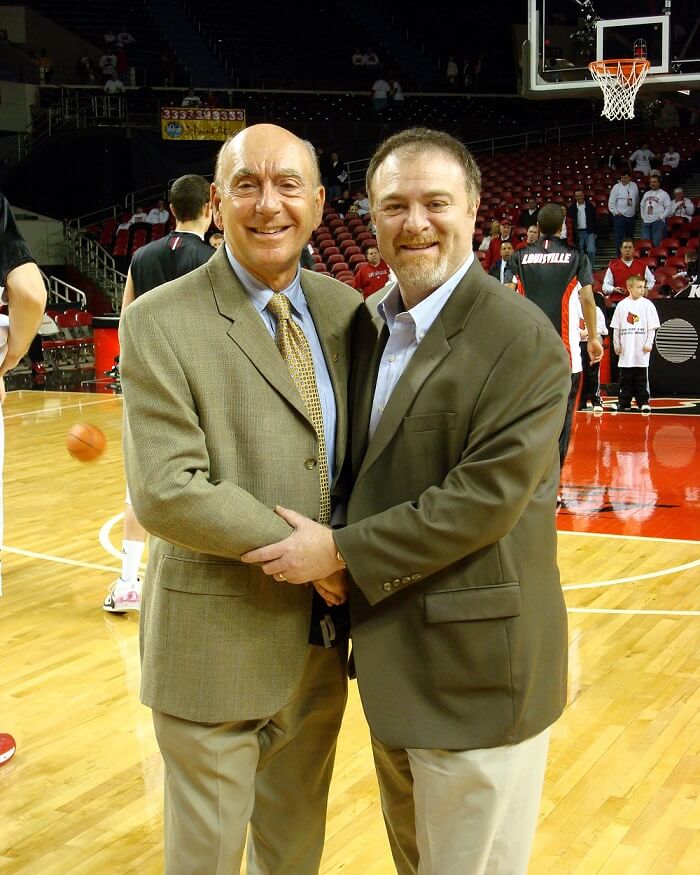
[267, 201]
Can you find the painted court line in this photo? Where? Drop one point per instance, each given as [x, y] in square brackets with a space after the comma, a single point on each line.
[620, 580]
[105, 541]
[53, 411]
[634, 613]
[59, 559]
[628, 537]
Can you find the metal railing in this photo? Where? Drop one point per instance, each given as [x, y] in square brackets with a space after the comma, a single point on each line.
[94, 261]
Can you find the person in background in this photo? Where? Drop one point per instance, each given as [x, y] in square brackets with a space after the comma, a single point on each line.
[373, 275]
[584, 223]
[153, 265]
[634, 326]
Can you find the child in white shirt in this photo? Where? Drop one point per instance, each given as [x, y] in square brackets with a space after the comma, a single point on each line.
[634, 325]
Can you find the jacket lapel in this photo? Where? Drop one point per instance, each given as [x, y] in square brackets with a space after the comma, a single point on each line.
[248, 331]
[432, 350]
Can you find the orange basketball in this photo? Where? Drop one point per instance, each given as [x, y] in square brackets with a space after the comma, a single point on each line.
[85, 442]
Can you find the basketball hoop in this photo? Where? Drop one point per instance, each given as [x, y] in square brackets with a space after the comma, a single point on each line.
[620, 80]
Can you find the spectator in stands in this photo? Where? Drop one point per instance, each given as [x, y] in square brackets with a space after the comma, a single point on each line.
[373, 275]
[85, 70]
[343, 203]
[380, 94]
[493, 253]
[641, 159]
[671, 157]
[621, 269]
[584, 223]
[690, 268]
[212, 100]
[108, 65]
[114, 85]
[153, 265]
[467, 80]
[452, 72]
[158, 215]
[337, 177]
[396, 93]
[191, 100]
[680, 206]
[124, 39]
[45, 65]
[140, 215]
[614, 159]
[533, 235]
[362, 203]
[110, 38]
[371, 58]
[653, 210]
[494, 232]
[358, 59]
[622, 204]
[217, 238]
[499, 268]
[528, 216]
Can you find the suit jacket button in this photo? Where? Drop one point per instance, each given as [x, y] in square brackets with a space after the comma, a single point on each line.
[310, 464]
[386, 586]
[335, 356]
[416, 576]
[396, 582]
[405, 580]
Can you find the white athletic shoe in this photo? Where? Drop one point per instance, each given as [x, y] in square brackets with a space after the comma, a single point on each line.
[646, 408]
[123, 597]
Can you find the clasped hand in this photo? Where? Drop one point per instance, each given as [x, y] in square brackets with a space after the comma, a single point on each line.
[308, 555]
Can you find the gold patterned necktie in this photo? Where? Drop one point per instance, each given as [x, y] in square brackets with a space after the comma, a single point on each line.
[296, 352]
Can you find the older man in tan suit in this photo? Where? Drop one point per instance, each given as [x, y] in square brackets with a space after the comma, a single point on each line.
[459, 625]
[235, 392]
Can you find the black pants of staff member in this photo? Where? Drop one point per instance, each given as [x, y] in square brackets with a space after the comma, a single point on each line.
[571, 405]
[634, 383]
[590, 389]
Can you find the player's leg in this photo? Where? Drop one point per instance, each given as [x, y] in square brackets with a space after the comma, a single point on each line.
[641, 387]
[626, 389]
[565, 435]
[125, 592]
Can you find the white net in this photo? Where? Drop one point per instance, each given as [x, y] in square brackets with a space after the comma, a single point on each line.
[620, 82]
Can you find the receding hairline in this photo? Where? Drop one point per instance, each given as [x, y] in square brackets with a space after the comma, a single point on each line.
[306, 147]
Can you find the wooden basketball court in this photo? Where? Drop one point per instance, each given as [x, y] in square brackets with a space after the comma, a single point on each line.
[622, 796]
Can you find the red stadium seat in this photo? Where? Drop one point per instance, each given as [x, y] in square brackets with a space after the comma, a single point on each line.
[672, 244]
[659, 253]
[339, 268]
[332, 260]
[356, 260]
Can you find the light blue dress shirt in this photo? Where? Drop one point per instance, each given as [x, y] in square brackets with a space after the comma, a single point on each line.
[406, 330]
[260, 296]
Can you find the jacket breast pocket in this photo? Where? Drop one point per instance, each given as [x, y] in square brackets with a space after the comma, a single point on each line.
[496, 602]
[429, 422]
[203, 577]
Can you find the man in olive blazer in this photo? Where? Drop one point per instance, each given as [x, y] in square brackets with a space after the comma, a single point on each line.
[459, 390]
[246, 711]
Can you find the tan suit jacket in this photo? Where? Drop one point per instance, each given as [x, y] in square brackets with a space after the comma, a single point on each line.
[216, 435]
[459, 625]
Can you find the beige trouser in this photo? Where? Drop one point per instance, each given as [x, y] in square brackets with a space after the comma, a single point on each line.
[272, 774]
[468, 812]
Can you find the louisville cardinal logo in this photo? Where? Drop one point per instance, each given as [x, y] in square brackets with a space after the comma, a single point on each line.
[632, 318]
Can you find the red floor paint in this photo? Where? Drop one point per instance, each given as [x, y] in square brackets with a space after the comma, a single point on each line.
[634, 474]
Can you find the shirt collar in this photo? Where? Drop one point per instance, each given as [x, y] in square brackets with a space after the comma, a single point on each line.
[259, 293]
[180, 231]
[427, 311]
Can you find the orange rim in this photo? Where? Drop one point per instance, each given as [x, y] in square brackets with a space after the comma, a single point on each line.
[625, 65]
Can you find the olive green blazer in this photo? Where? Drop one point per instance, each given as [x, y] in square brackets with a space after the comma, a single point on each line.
[459, 625]
[215, 436]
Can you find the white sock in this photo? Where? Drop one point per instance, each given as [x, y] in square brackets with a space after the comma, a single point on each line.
[132, 551]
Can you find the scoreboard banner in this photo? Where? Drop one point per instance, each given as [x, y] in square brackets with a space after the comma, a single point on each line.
[181, 123]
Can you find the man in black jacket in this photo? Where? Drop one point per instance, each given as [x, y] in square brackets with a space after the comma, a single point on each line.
[584, 222]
